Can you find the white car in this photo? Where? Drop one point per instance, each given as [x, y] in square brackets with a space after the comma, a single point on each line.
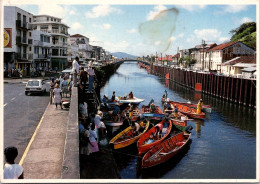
[35, 86]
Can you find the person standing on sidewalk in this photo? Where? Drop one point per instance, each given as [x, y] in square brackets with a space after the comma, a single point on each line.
[51, 90]
[91, 76]
[12, 170]
[57, 95]
[75, 70]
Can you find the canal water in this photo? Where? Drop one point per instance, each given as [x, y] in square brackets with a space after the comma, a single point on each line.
[223, 145]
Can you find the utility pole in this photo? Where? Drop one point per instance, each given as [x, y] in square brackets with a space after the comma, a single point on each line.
[203, 45]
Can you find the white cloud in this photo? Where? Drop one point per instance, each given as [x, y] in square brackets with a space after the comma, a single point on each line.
[192, 7]
[246, 19]
[211, 35]
[224, 39]
[72, 12]
[181, 35]
[103, 26]
[235, 8]
[117, 46]
[131, 30]
[53, 10]
[157, 9]
[172, 38]
[101, 11]
[76, 26]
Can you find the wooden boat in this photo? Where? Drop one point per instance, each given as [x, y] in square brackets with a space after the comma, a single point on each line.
[126, 137]
[166, 150]
[142, 144]
[147, 112]
[179, 124]
[136, 113]
[190, 112]
[205, 108]
[127, 100]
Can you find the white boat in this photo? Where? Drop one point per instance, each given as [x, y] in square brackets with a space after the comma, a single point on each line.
[133, 100]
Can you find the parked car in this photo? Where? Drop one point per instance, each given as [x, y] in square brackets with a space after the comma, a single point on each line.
[35, 86]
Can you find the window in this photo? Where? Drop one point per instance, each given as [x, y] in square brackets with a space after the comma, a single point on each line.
[55, 20]
[24, 19]
[30, 48]
[48, 39]
[47, 18]
[18, 16]
[51, 19]
[30, 19]
[41, 38]
[30, 34]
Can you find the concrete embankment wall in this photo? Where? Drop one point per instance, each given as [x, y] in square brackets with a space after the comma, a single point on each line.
[242, 91]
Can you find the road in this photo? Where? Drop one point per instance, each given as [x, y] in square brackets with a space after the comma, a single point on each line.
[21, 115]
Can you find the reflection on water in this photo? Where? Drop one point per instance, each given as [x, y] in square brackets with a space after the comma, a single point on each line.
[223, 145]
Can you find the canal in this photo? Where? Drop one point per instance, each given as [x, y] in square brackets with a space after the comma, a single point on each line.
[223, 145]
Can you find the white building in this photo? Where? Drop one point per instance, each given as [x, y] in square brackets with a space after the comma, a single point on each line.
[59, 38]
[17, 24]
[224, 52]
[84, 48]
[41, 50]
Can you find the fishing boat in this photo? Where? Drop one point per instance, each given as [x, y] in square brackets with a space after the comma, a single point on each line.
[150, 114]
[190, 112]
[205, 108]
[133, 100]
[135, 116]
[126, 137]
[166, 150]
[146, 142]
[181, 125]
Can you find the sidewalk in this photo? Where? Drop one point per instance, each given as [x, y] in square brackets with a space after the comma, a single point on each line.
[45, 155]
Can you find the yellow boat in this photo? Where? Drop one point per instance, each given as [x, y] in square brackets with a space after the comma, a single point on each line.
[126, 137]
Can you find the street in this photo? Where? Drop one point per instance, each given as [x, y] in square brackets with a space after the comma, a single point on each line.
[21, 115]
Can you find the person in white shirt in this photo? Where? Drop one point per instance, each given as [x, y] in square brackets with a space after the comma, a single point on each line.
[75, 70]
[99, 125]
[12, 170]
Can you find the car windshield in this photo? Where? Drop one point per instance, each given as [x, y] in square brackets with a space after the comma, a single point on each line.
[33, 83]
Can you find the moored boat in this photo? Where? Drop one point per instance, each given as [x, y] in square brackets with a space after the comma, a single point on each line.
[147, 141]
[133, 100]
[157, 113]
[205, 108]
[166, 150]
[135, 116]
[190, 112]
[126, 137]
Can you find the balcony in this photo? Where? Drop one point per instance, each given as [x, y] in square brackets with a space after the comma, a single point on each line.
[24, 39]
[18, 39]
[38, 43]
[18, 23]
[29, 26]
[30, 41]
[22, 56]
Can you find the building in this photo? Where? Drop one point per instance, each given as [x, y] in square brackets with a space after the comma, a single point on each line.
[84, 48]
[59, 38]
[17, 26]
[236, 65]
[41, 50]
[224, 52]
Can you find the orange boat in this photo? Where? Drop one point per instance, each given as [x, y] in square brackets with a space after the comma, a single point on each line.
[192, 113]
[169, 148]
[145, 142]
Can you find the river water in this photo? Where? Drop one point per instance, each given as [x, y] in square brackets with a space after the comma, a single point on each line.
[223, 145]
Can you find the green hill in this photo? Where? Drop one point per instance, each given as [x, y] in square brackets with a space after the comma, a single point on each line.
[246, 33]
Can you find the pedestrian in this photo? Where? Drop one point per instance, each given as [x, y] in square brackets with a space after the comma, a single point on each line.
[85, 144]
[56, 69]
[57, 93]
[91, 76]
[93, 138]
[99, 125]
[75, 70]
[83, 77]
[70, 87]
[64, 87]
[12, 170]
[52, 84]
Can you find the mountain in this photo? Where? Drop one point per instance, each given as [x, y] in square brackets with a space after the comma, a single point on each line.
[124, 55]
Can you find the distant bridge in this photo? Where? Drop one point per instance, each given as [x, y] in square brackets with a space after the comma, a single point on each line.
[135, 60]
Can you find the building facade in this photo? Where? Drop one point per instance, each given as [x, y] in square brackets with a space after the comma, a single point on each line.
[58, 40]
[17, 45]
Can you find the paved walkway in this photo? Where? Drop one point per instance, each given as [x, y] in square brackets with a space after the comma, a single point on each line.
[45, 154]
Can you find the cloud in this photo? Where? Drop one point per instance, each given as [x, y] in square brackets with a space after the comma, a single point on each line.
[131, 30]
[72, 12]
[181, 35]
[101, 11]
[53, 10]
[192, 7]
[103, 26]
[157, 9]
[246, 19]
[172, 38]
[76, 26]
[212, 35]
[117, 46]
[224, 39]
[235, 8]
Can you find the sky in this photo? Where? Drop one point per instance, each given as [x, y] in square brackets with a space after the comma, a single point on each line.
[149, 29]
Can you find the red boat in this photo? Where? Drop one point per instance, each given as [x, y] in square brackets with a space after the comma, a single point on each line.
[166, 150]
[150, 114]
[136, 113]
[192, 113]
[205, 108]
[146, 142]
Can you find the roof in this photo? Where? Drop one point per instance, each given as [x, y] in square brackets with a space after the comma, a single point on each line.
[244, 65]
[241, 59]
[249, 69]
[77, 35]
[223, 46]
[165, 58]
[208, 47]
